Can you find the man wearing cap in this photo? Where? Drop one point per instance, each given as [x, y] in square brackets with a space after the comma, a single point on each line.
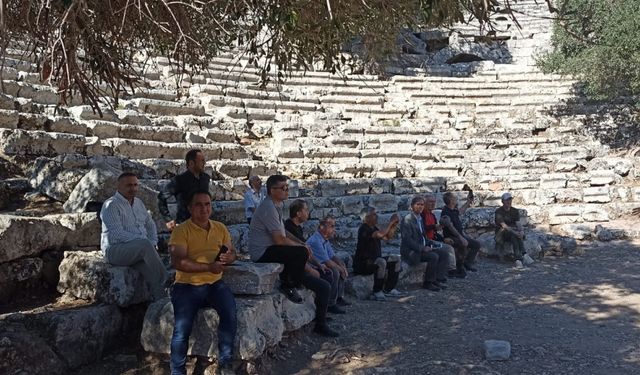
[509, 230]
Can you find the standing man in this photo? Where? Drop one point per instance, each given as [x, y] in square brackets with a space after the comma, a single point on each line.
[509, 230]
[431, 228]
[129, 236]
[368, 258]
[415, 248]
[322, 250]
[466, 247]
[200, 248]
[253, 197]
[182, 187]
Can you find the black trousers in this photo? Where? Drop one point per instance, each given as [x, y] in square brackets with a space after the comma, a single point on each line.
[292, 257]
[437, 264]
[322, 289]
[505, 236]
[370, 267]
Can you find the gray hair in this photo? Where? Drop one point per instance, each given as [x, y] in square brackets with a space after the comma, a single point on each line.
[428, 196]
[366, 212]
[326, 219]
[417, 199]
[447, 197]
[253, 178]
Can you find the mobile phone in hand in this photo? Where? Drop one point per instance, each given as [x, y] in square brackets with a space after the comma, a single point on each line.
[223, 249]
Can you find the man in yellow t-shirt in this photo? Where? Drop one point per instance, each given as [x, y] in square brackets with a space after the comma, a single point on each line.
[196, 255]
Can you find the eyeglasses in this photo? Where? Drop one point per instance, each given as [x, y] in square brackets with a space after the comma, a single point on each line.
[283, 188]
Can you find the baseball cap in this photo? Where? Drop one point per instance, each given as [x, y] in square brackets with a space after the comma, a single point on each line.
[507, 196]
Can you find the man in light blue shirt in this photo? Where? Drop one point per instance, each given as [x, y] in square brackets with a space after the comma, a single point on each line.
[129, 235]
[323, 252]
[253, 197]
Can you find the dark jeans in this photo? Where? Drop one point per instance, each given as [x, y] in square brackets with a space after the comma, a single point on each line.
[437, 264]
[390, 273]
[336, 282]
[292, 257]
[322, 290]
[504, 236]
[466, 254]
[187, 299]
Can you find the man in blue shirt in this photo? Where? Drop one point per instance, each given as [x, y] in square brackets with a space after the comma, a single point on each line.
[323, 252]
[129, 235]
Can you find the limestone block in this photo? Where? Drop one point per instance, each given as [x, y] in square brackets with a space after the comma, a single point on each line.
[27, 236]
[167, 108]
[239, 237]
[51, 179]
[352, 205]
[333, 188]
[381, 185]
[565, 165]
[601, 177]
[37, 142]
[99, 184]
[9, 119]
[577, 231]
[523, 182]
[17, 274]
[86, 275]
[609, 234]
[260, 326]
[568, 195]
[411, 275]
[553, 181]
[384, 202]
[620, 166]
[131, 117]
[251, 278]
[229, 212]
[595, 212]
[295, 315]
[359, 286]
[482, 217]
[598, 194]
[635, 194]
[85, 112]
[565, 214]
[6, 102]
[533, 244]
[358, 186]
[418, 185]
[26, 352]
[78, 336]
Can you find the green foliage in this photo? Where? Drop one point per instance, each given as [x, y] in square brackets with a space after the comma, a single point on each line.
[598, 41]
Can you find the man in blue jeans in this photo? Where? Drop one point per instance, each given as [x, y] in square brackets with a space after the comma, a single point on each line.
[198, 254]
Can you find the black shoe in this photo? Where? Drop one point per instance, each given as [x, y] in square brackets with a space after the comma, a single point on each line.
[461, 273]
[430, 286]
[324, 330]
[441, 281]
[225, 368]
[335, 310]
[343, 302]
[327, 319]
[470, 268]
[439, 285]
[291, 294]
[452, 273]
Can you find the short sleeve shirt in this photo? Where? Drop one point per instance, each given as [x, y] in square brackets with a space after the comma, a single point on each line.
[266, 219]
[367, 248]
[510, 217]
[321, 248]
[294, 229]
[202, 247]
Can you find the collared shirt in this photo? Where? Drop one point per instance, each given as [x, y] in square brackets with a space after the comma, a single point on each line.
[252, 200]
[266, 220]
[294, 229]
[181, 187]
[367, 247]
[321, 248]
[124, 222]
[202, 246]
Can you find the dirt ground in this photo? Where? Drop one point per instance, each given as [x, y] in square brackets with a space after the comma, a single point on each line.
[577, 315]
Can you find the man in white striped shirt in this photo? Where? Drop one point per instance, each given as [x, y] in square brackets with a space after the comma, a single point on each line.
[129, 235]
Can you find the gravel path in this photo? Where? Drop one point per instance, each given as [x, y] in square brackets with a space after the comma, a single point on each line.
[578, 315]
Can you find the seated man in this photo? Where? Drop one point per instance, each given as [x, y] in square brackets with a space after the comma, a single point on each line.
[415, 248]
[268, 242]
[182, 186]
[368, 258]
[200, 248]
[466, 247]
[431, 228]
[323, 252]
[252, 197]
[129, 236]
[509, 230]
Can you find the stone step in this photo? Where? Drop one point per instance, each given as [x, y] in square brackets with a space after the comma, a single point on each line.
[167, 108]
[107, 129]
[37, 93]
[139, 149]
[262, 320]
[39, 142]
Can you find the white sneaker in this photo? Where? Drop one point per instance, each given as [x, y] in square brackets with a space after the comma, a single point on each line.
[519, 264]
[378, 296]
[394, 293]
[527, 260]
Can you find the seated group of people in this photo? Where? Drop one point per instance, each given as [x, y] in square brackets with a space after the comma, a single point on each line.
[200, 248]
